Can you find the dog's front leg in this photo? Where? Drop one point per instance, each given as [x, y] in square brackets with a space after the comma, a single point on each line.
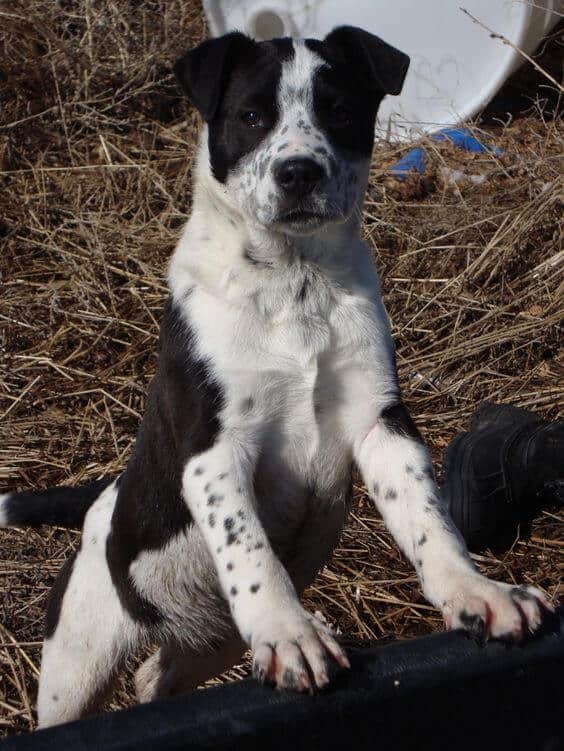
[291, 647]
[397, 471]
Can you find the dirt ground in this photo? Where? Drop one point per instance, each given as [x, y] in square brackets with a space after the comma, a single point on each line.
[95, 153]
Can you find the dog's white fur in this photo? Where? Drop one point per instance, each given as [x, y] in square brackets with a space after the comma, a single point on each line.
[3, 516]
[305, 386]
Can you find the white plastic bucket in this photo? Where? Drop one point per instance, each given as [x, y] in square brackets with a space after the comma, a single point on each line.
[456, 65]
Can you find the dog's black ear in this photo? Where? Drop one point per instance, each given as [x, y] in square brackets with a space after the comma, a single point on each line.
[383, 66]
[201, 72]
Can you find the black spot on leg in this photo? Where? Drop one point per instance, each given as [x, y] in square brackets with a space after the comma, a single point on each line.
[391, 494]
[321, 150]
[418, 563]
[207, 487]
[214, 499]
[302, 294]
[222, 475]
[199, 471]
[376, 489]
[233, 591]
[398, 421]
[211, 520]
[409, 469]
[241, 514]
[231, 538]
[283, 146]
[422, 540]
[230, 566]
[259, 546]
[228, 523]
[247, 405]
[55, 697]
[254, 588]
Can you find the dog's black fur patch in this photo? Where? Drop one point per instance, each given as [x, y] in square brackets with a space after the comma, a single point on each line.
[236, 75]
[347, 113]
[251, 86]
[181, 421]
[399, 421]
[57, 507]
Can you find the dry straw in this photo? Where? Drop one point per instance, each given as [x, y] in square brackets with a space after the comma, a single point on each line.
[95, 151]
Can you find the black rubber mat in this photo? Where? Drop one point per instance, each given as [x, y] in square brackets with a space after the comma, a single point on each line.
[437, 692]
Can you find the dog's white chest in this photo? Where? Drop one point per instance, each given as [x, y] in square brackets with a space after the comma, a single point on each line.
[295, 357]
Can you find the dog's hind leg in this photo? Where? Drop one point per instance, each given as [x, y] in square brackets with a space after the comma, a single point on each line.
[88, 633]
[173, 669]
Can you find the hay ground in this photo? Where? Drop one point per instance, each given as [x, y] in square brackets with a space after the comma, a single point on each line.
[95, 151]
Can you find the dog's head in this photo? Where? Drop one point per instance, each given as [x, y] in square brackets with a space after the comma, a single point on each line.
[291, 122]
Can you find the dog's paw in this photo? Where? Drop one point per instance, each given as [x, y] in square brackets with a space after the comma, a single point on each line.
[293, 651]
[488, 609]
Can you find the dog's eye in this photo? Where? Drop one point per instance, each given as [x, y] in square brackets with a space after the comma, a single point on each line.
[341, 116]
[252, 119]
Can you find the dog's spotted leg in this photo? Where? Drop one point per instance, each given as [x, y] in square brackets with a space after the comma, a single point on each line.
[88, 634]
[291, 647]
[397, 471]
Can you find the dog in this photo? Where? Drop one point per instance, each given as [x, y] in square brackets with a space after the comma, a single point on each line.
[276, 374]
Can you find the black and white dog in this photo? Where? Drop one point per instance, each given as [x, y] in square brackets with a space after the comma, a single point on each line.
[276, 374]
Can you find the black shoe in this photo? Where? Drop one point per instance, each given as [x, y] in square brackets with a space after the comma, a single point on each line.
[497, 475]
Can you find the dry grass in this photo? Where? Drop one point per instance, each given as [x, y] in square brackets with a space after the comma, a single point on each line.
[95, 150]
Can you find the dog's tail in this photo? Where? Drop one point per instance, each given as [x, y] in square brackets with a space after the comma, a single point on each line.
[57, 507]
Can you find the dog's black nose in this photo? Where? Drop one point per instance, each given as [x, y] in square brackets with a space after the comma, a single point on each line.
[298, 175]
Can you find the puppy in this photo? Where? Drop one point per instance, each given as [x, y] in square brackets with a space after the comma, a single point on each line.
[276, 374]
